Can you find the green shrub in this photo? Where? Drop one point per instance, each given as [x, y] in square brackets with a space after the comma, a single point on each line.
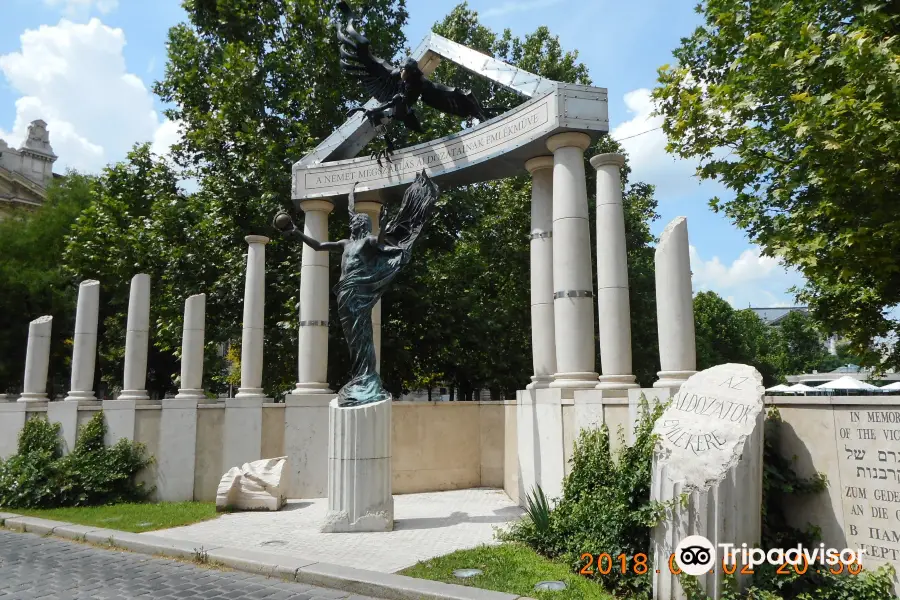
[605, 507]
[39, 476]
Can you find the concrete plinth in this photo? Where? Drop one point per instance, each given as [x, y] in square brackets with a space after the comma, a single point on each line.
[359, 468]
[243, 430]
[306, 444]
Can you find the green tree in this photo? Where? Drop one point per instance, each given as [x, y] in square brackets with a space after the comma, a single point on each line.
[795, 107]
[31, 244]
[803, 347]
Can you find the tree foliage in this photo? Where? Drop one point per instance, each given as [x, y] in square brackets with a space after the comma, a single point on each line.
[33, 283]
[795, 107]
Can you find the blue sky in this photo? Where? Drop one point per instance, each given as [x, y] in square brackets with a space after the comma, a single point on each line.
[86, 67]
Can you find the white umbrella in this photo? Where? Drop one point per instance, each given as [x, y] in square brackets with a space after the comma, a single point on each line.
[847, 383]
[891, 387]
[779, 388]
[801, 387]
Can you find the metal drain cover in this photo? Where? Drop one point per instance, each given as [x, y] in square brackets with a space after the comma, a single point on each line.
[466, 573]
[553, 586]
[274, 543]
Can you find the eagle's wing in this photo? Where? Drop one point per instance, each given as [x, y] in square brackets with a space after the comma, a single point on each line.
[378, 77]
[451, 100]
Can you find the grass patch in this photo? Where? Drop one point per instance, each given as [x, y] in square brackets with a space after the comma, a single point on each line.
[135, 518]
[511, 568]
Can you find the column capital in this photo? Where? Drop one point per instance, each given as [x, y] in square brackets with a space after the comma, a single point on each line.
[538, 163]
[256, 239]
[369, 207]
[569, 139]
[611, 158]
[318, 205]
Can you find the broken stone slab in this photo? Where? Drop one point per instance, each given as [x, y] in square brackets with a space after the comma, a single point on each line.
[709, 452]
[257, 485]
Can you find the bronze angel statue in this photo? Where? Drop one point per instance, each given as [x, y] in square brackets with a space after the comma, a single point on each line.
[369, 264]
[398, 89]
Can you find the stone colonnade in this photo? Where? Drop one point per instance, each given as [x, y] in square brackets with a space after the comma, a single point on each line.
[562, 292]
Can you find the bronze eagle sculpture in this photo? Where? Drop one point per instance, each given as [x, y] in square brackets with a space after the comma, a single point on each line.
[398, 89]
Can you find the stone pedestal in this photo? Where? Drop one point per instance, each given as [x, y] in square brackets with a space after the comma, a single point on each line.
[243, 430]
[137, 339]
[675, 306]
[540, 447]
[710, 448]
[192, 342]
[543, 337]
[614, 315]
[312, 336]
[37, 360]
[66, 414]
[306, 444]
[573, 305]
[120, 418]
[177, 454]
[254, 314]
[12, 420]
[359, 468]
[84, 344]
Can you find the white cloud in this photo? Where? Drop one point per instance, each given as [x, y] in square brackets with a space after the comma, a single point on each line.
[514, 7]
[74, 77]
[750, 280]
[166, 134]
[81, 8]
[646, 147]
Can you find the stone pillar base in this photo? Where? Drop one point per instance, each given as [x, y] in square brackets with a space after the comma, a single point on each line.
[539, 382]
[136, 396]
[82, 398]
[193, 394]
[359, 468]
[313, 387]
[574, 381]
[616, 382]
[34, 397]
[672, 379]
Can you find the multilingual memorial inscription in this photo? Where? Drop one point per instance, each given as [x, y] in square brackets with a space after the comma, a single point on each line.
[869, 470]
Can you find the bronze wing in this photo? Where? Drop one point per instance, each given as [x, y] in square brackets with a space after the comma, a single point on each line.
[378, 77]
[451, 100]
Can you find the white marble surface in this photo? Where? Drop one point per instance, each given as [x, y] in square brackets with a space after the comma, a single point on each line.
[12, 420]
[258, 485]
[543, 337]
[312, 350]
[137, 339]
[573, 316]
[66, 414]
[37, 360]
[425, 526]
[359, 468]
[243, 430]
[306, 444]
[192, 338]
[254, 312]
[84, 343]
[675, 306]
[540, 441]
[176, 456]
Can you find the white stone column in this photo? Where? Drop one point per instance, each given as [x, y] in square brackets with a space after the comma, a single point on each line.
[137, 339]
[37, 360]
[254, 314]
[543, 338]
[359, 468]
[84, 345]
[614, 315]
[573, 307]
[312, 357]
[675, 306]
[192, 343]
[373, 209]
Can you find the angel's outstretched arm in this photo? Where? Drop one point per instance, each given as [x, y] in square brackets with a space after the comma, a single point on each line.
[283, 223]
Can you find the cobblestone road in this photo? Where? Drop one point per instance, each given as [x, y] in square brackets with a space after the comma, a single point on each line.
[33, 566]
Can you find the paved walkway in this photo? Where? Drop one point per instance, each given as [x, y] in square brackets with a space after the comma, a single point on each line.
[425, 526]
[33, 566]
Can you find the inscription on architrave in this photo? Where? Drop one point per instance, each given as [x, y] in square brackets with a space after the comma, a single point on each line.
[869, 467]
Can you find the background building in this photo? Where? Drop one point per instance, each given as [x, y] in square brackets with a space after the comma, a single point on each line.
[26, 173]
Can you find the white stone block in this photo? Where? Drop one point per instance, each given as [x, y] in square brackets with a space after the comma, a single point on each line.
[653, 397]
[12, 420]
[243, 430]
[306, 444]
[359, 468]
[119, 416]
[66, 414]
[540, 441]
[257, 485]
[710, 448]
[176, 456]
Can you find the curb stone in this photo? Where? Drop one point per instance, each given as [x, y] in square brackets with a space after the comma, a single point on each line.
[293, 568]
